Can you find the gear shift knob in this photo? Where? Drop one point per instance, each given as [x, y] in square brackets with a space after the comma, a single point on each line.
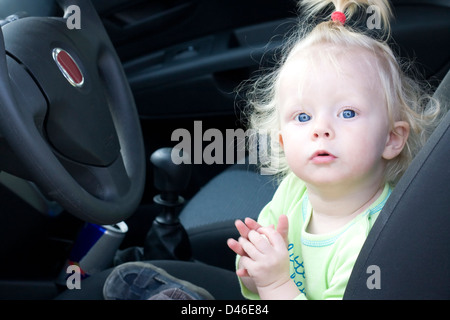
[170, 178]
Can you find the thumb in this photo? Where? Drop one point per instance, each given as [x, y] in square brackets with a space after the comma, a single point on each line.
[283, 227]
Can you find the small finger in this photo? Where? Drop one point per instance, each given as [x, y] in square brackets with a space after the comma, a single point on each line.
[260, 241]
[252, 224]
[283, 227]
[236, 247]
[242, 273]
[242, 228]
[251, 251]
[273, 237]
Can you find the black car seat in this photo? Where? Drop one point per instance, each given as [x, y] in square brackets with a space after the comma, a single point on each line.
[407, 252]
[408, 248]
[238, 192]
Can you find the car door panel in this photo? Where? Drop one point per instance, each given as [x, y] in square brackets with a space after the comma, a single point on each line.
[188, 63]
[203, 72]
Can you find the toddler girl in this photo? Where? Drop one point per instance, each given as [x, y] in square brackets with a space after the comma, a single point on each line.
[346, 122]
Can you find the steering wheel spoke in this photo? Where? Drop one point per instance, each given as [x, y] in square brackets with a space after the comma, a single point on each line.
[105, 183]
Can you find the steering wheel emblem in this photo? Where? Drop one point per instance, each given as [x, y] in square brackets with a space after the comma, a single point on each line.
[68, 67]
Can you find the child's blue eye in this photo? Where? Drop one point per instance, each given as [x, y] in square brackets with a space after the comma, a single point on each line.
[303, 117]
[348, 113]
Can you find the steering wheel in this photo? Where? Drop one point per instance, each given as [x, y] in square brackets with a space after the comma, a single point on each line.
[68, 116]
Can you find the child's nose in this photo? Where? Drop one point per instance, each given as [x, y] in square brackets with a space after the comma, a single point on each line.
[324, 134]
[323, 130]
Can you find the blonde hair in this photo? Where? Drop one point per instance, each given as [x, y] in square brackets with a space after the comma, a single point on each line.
[405, 98]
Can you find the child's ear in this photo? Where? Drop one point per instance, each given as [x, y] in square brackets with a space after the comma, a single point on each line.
[280, 140]
[396, 140]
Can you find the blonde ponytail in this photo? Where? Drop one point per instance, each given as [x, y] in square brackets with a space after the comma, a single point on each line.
[382, 9]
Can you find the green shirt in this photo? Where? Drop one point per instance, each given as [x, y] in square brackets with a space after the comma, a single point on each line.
[320, 264]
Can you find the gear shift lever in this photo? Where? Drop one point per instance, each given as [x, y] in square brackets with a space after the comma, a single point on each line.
[167, 238]
[170, 179]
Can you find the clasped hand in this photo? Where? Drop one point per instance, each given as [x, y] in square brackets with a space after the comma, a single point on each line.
[263, 251]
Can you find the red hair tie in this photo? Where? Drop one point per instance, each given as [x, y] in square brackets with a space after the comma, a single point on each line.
[338, 16]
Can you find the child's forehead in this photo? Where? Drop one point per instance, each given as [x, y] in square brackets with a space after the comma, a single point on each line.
[318, 60]
[338, 57]
[350, 74]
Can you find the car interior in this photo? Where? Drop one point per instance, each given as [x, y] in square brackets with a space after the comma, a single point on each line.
[99, 151]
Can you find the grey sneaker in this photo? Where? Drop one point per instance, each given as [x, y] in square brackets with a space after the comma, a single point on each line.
[144, 281]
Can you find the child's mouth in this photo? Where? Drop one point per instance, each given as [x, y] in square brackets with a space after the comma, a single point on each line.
[321, 157]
